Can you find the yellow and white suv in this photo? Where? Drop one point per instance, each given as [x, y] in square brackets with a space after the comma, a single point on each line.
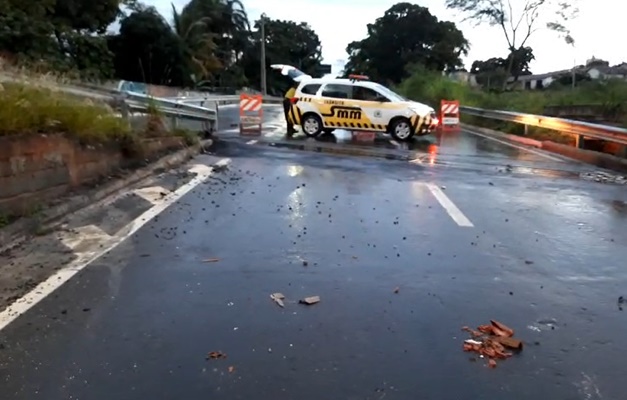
[325, 104]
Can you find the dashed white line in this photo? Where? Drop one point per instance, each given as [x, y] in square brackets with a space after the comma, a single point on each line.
[252, 142]
[450, 207]
[45, 288]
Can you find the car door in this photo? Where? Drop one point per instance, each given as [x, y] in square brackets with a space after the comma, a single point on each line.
[291, 72]
[337, 107]
[375, 106]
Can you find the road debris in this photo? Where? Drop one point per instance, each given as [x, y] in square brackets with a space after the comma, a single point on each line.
[278, 298]
[604, 177]
[310, 300]
[231, 369]
[215, 355]
[397, 289]
[211, 260]
[491, 341]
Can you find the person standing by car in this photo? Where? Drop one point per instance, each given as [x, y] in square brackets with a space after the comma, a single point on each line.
[287, 104]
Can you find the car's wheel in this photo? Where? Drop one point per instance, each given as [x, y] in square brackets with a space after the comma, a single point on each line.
[328, 131]
[401, 129]
[311, 125]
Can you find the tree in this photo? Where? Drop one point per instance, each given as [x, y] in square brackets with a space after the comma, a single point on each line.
[198, 45]
[227, 22]
[406, 34]
[519, 61]
[517, 29]
[147, 50]
[493, 72]
[25, 30]
[287, 42]
[489, 73]
[62, 34]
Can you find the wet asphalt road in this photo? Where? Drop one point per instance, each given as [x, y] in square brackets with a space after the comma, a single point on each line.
[546, 255]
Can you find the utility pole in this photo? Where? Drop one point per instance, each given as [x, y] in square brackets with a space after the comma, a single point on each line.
[264, 89]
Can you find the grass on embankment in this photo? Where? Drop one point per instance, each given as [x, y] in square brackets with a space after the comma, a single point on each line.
[26, 109]
[431, 88]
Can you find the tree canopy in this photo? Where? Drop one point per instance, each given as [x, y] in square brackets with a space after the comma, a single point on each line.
[406, 34]
[287, 42]
[211, 43]
[493, 71]
[519, 20]
[204, 43]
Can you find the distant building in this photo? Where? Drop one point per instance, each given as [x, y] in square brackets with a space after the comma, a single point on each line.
[594, 69]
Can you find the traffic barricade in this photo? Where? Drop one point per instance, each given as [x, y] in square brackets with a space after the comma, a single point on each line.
[449, 115]
[250, 114]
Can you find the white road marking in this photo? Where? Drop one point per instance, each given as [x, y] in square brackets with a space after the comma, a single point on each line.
[152, 194]
[449, 206]
[202, 169]
[527, 149]
[395, 143]
[252, 142]
[418, 160]
[83, 235]
[41, 291]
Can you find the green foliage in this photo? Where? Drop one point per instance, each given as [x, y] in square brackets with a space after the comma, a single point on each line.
[31, 110]
[61, 34]
[492, 73]
[431, 87]
[406, 34]
[148, 50]
[287, 42]
[191, 138]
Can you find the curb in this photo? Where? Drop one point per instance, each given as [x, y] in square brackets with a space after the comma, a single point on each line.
[600, 160]
[16, 233]
[591, 157]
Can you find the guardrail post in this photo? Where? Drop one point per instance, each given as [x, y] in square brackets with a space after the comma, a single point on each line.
[580, 142]
[124, 109]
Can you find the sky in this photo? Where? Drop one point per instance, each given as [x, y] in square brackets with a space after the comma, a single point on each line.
[338, 22]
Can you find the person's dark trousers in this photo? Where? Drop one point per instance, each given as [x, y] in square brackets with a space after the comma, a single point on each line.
[286, 108]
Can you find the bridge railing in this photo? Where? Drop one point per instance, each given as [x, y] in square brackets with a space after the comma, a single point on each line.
[579, 128]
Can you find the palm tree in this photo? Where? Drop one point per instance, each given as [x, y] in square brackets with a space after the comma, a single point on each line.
[227, 22]
[197, 41]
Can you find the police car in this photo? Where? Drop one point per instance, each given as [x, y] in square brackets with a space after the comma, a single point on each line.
[325, 104]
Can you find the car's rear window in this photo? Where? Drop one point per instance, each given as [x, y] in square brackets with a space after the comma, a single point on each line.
[310, 89]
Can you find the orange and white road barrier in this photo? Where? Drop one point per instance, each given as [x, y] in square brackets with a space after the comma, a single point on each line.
[250, 114]
[449, 115]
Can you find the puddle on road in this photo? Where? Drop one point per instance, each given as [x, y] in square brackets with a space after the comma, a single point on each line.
[427, 151]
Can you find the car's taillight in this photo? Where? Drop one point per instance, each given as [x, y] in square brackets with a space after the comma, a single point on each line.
[294, 100]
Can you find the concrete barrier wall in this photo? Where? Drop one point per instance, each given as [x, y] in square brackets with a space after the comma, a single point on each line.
[38, 168]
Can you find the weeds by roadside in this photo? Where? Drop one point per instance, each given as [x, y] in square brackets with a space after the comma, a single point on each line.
[430, 87]
[28, 109]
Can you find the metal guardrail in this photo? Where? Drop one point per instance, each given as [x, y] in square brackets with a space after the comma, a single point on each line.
[130, 99]
[579, 128]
